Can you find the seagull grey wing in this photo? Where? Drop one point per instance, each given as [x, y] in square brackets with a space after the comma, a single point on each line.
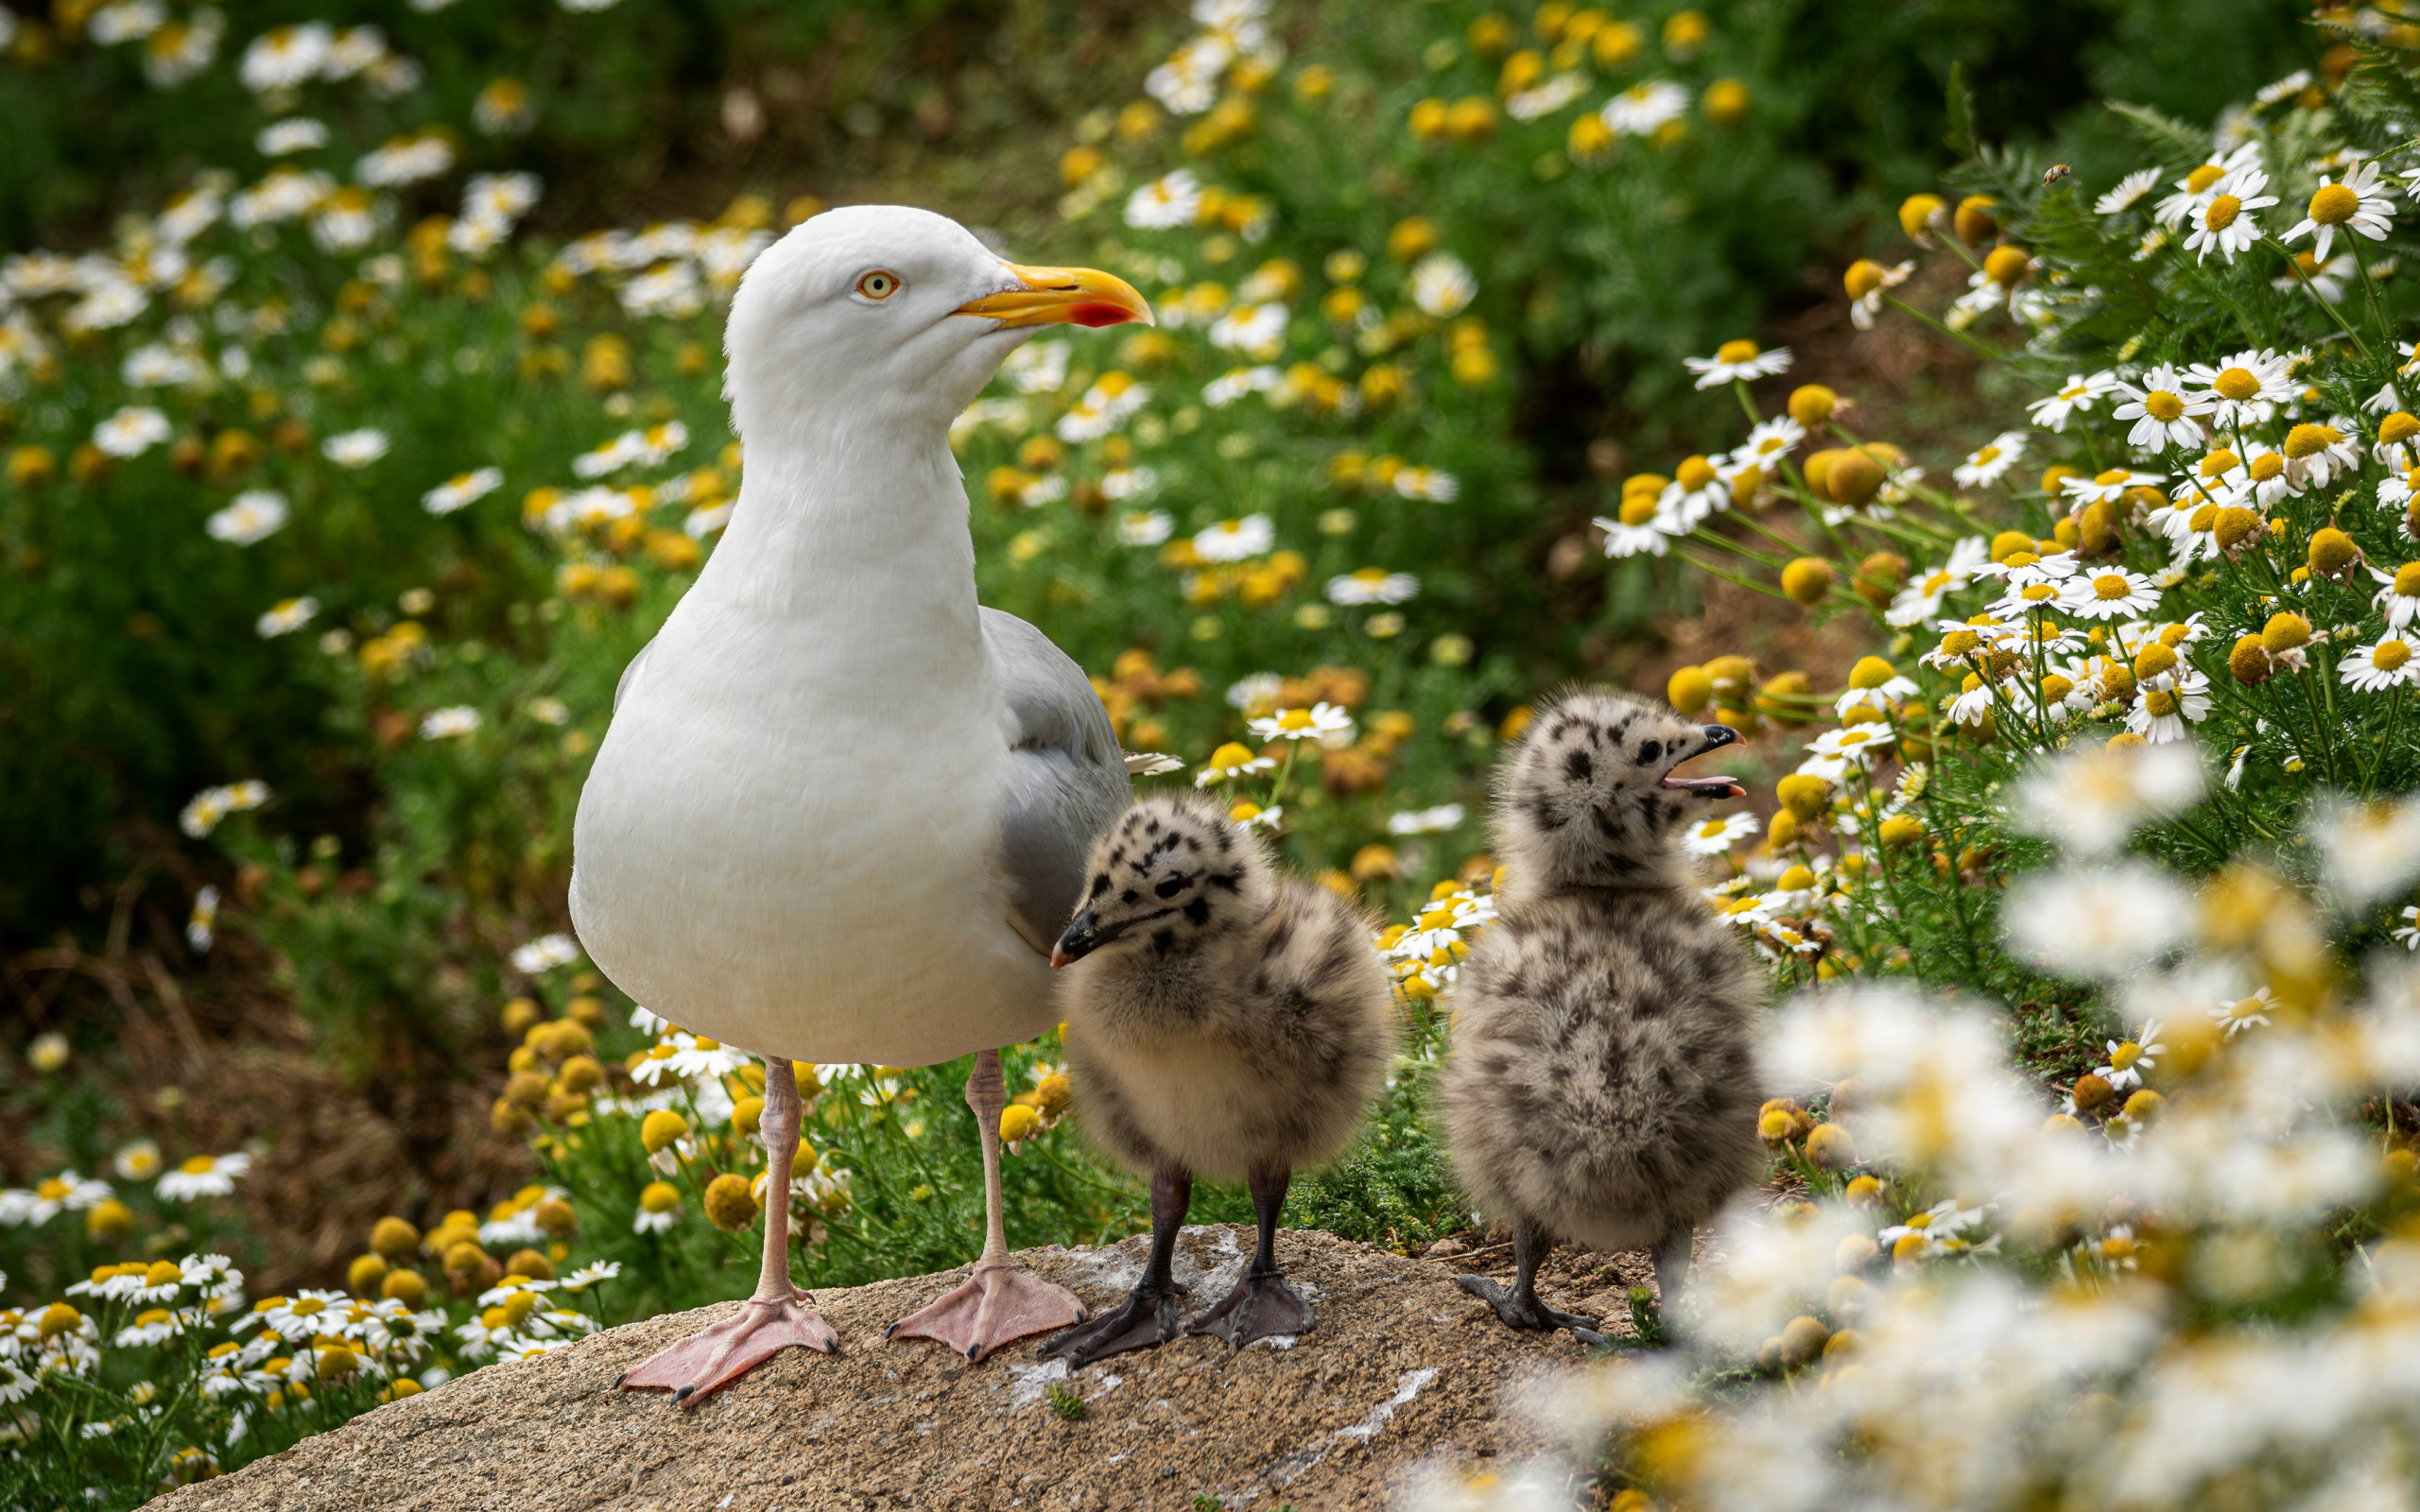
[1067, 777]
[629, 672]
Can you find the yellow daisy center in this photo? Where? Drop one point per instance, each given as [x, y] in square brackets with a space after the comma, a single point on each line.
[2389, 655]
[2111, 585]
[2162, 406]
[2237, 384]
[2125, 1055]
[2222, 212]
[2159, 703]
[1637, 510]
[1736, 351]
[1294, 719]
[2203, 177]
[2334, 204]
[2407, 580]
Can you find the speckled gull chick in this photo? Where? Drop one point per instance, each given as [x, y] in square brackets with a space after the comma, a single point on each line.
[843, 810]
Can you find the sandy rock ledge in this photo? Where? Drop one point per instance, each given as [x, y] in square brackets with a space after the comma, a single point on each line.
[1402, 1370]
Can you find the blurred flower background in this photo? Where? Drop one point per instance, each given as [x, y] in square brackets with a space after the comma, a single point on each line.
[1994, 410]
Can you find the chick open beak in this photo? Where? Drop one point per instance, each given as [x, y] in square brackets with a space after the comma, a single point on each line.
[1062, 296]
[1716, 736]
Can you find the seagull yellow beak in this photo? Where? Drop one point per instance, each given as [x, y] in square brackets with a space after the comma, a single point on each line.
[1055, 296]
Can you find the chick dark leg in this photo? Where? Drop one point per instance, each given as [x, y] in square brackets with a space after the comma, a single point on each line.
[1262, 1303]
[1001, 1300]
[771, 1320]
[1150, 1316]
[1521, 1307]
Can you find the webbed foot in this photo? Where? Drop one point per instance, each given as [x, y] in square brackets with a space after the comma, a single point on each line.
[1527, 1312]
[1260, 1306]
[999, 1303]
[1148, 1319]
[720, 1353]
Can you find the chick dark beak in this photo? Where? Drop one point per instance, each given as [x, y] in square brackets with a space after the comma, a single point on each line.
[1715, 736]
[1080, 939]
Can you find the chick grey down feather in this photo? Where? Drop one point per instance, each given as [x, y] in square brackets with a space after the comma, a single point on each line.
[1241, 1021]
[1065, 779]
[1602, 1085]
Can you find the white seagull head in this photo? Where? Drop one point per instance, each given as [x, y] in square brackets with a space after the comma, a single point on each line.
[879, 319]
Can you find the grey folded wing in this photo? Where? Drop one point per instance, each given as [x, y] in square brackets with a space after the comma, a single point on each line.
[1067, 777]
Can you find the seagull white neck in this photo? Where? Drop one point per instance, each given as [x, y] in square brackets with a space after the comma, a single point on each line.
[865, 545]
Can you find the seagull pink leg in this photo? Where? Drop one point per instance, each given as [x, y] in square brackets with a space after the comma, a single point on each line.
[771, 1320]
[1001, 1301]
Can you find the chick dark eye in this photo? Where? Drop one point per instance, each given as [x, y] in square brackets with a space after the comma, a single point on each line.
[878, 285]
[1170, 887]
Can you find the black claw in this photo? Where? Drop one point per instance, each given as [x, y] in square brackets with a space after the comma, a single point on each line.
[619, 1379]
[682, 1395]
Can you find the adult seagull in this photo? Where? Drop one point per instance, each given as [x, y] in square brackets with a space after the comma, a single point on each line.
[843, 810]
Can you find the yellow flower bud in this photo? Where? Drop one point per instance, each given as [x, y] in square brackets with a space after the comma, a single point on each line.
[659, 1130]
[1806, 580]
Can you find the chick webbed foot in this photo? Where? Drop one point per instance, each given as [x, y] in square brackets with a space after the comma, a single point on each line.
[1000, 1302]
[1150, 1319]
[1522, 1308]
[720, 1353]
[1261, 1306]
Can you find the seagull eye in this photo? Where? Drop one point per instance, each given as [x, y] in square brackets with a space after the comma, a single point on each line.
[1170, 887]
[878, 284]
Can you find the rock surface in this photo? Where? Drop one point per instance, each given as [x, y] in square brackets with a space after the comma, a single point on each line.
[1402, 1370]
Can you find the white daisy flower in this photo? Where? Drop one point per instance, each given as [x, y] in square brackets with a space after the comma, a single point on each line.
[1645, 107]
[2244, 389]
[544, 954]
[1441, 285]
[1236, 540]
[131, 432]
[2399, 595]
[2169, 705]
[255, 515]
[1165, 202]
[2076, 396]
[1737, 362]
[1641, 528]
[1259, 331]
[1237, 382]
[1143, 527]
[204, 1175]
[2164, 411]
[461, 489]
[454, 722]
[356, 448]
[1426, 821]
[2195, 191]
[2357, 202]
[2386, 662]
[1987, 464]
[1715, 836]
[2245, 1012]
[297, 133]
[2226, 224]
[2128, 192]
[1372, 585]
[1427, 483]
[1768, 441]
[1323, 722]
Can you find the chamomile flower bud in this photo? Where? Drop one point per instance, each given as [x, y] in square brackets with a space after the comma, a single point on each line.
[2398, 428]
[659, 1130]
[1806, 580]
[1902, 829]
[1864, 1191]
[1855, 477]
[729, 1205]
[2235, 525]
[1019, 1122]
[405, 1286]
[2006, 266]
[2285, 631]
[394, 1238]
[2332, 553]
[1920, 213]
[2249, 661]
[1803, 796]
[55, 1319]
[366, 1275]
[2091, 1092]
[1689, 690]
[1830, 1146]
